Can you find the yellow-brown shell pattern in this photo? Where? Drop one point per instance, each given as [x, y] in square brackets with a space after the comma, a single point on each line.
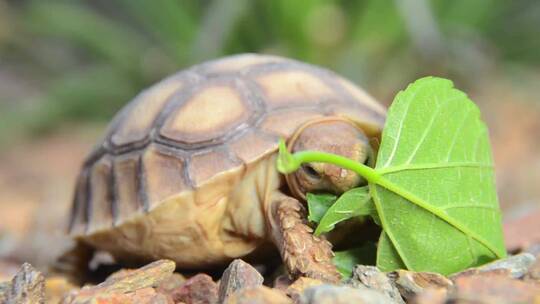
[208, 119]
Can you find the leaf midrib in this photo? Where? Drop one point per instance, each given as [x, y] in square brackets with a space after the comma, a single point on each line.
[423, 166]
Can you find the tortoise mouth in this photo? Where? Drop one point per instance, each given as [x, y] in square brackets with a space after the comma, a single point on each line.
[294, 185]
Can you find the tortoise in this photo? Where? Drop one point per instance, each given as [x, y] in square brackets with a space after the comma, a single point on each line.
[186, 171]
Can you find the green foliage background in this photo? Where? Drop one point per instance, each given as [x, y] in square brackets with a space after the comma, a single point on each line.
[80, 61]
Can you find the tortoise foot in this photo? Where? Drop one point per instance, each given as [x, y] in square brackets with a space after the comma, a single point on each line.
[303, 253]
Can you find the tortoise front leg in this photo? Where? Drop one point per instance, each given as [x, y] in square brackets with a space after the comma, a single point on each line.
[303, 253]
[74, 263]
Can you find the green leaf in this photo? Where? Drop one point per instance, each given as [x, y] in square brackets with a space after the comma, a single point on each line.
[355, 202]
[318, 205]
[435, 192]
[433, 184]
[346, 260]
[387, 254]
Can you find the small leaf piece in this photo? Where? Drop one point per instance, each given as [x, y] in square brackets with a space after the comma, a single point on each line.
[355, 202]
[286, 163]
[318, 205]
[435, 194]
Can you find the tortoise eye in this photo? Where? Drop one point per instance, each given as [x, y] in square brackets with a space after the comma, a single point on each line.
[311, 172]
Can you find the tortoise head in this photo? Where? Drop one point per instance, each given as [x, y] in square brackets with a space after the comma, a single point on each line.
[330, 135]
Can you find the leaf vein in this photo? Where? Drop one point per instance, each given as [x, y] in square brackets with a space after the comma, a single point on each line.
[426, 131]
[469, 206]
[454, 139]
[397, 139]
[408, 167]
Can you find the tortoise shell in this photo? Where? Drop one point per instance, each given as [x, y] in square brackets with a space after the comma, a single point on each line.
[220, 116]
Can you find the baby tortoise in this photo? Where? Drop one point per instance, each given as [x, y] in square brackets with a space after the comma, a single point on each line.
[187, 170]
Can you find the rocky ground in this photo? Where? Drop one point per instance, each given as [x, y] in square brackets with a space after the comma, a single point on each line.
[515, 279]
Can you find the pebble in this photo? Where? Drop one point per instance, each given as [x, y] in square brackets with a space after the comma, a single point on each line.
[199, 289]
[534, 272]
[56, 287]
[296, 289]
[534, 250]
[258, 295]
[431, 296]
[411, 284]
[332, 294]
[494, 288]
[237, 276]
[170, 284]
[372, 278]
[517, 265]
[27, 287]
[128, 286]
[140, 296]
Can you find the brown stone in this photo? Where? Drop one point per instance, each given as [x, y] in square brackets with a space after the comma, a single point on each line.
[148, 296]
[56, 288]
[412, 283]
[150, 275]
[296, 289]
[140, 296]
[258, 295]
[517, 265]
[332, 294]
[431, 296]
[126, 285]
[494, 288]
[474, 272]
[28, 286]
[237, 276]
[200, 289]
[533, 273]
[4, 288]
[170, 284]
[372, 278]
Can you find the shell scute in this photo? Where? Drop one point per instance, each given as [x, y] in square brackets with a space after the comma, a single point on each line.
[79, 210]
[285, 122]
[163, 175]
[238, 63]
[294, 87]
[209, 114]
[126, 176]
[101, 199]
[205, 165]
[253, 145]
[146, 107]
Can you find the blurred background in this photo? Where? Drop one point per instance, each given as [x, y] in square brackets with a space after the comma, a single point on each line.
[67, 66]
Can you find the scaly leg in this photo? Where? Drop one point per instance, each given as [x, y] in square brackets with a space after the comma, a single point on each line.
[303, 253]
[74, 263]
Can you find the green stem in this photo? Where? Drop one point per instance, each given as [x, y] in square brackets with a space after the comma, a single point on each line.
[314, 156]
